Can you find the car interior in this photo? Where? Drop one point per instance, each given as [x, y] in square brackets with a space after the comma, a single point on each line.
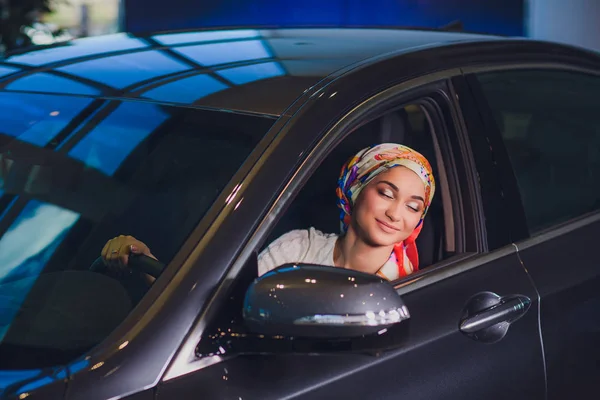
[552, 141]
[315, 206]
[550, 168]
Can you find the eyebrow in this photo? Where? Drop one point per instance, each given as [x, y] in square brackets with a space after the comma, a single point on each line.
[397, 190]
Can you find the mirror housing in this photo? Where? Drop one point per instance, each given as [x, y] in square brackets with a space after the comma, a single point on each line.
[314, 301]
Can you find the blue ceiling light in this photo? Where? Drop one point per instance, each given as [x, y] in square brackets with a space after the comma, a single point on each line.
[37, 118]
[186, 90]
[49, 83]
[251, 73]
[225, 53]
[79, 48]
[127, 69]
[116, 136]
[6, 70]
[205, 36]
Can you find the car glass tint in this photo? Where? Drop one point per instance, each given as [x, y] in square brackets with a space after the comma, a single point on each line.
[75, 173]
[550, 124]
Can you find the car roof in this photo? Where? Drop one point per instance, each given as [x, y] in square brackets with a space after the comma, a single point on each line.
[251, 70]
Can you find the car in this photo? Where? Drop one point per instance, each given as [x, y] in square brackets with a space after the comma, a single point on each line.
[209, 144]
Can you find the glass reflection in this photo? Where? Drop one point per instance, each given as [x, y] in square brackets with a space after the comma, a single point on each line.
[126, 69]
[48, 83]
[37, 118]
[24, 251]
[224, 53]
[36, 384]
[251, 73]
[80, 48]
[78, 366]
[109, 143]
[25, 248]
[186, 90]
[208, 36]
[313, 68]
[5, 70]
[10, 377]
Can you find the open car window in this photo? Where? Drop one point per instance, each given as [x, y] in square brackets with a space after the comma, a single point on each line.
[315, 205]
[74, 174]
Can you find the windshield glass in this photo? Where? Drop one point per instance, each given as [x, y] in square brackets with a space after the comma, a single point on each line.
[75, 173]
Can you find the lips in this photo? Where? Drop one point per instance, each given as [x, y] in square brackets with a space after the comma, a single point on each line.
[386, 227]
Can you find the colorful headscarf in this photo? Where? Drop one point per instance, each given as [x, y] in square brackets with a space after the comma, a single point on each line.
[361, 169]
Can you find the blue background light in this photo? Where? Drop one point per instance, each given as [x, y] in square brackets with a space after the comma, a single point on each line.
[505, 17]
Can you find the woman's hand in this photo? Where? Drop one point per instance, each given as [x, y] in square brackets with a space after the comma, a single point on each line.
[116, 251]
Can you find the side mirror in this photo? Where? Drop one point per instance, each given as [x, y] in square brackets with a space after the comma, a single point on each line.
[314, 301]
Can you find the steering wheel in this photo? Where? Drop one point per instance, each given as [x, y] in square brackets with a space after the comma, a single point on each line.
[137, 262]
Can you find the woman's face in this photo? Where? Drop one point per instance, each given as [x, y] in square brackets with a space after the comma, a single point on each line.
[389, 208]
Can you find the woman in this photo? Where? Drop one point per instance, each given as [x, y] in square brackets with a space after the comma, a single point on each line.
[383, 192]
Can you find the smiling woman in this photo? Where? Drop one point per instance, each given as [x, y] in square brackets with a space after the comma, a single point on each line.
[384, 192]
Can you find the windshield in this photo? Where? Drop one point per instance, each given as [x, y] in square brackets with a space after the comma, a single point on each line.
[75, 173]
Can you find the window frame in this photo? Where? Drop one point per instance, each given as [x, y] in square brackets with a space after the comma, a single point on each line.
[507, 174]
[428, 97]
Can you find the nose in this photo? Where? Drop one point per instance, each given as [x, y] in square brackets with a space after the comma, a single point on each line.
[394, 211]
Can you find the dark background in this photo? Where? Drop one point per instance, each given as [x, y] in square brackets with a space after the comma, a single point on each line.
[504, 17]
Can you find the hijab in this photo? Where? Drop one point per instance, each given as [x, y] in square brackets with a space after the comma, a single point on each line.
[362, 168]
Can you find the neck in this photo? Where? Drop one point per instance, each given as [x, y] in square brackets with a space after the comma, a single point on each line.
[352, 252]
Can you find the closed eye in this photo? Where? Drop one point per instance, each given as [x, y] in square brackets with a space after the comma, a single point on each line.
[414, 206]
[386, 193]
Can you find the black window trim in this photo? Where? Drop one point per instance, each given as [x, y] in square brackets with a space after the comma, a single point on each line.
[522, 236]
[184, 361]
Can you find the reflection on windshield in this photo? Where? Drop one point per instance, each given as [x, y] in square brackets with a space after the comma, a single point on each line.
[251, 73]
[208, 36]
[223, 53]
[112, 140]
[8, 378]
[80, 48]
[77, 366]
[186, 90]
[46, 82]
[37, 118]
[4, 70]
[36, 384]
[25, 249]
[126, 69]
[179, 184]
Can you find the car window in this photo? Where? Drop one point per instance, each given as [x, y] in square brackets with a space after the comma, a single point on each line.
[550, 124]
[316, 204]
[75, 173]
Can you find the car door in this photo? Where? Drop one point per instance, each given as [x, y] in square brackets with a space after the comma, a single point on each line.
[546, 123]
[435, 359]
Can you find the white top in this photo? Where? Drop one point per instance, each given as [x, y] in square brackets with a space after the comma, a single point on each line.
[311, 246]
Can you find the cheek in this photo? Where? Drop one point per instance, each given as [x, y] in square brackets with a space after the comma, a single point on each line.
[413, 220]
[370, 204]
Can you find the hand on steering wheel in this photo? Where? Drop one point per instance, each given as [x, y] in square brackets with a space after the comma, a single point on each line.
[117, 251]
[124, 253]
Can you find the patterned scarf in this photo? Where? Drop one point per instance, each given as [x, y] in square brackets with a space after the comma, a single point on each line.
[361, 169]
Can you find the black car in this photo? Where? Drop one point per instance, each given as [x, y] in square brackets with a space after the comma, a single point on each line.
[207, 145]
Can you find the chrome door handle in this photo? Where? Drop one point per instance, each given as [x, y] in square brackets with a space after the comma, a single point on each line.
[488, 316]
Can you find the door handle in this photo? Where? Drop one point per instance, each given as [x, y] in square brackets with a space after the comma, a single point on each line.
[488, 316]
